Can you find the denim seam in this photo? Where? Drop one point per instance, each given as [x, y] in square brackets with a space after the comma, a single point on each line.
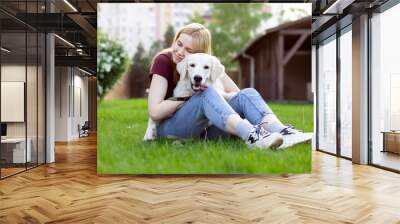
[236, 95]
[224, 118]
[264, 113]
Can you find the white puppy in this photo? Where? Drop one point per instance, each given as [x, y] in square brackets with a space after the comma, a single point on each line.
[196, 71]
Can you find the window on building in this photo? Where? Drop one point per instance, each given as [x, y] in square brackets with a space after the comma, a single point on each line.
[327, 95]
[385, 88]
[346, 93]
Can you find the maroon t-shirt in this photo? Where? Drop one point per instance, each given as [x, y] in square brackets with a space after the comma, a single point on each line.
[165, 67]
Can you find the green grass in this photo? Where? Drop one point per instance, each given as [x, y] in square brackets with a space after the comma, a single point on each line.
[122, 124]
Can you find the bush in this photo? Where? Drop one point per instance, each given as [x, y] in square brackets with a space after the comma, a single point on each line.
[112, 61]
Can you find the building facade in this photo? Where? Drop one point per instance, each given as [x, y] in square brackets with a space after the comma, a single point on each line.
[144, 22]
[129, 23]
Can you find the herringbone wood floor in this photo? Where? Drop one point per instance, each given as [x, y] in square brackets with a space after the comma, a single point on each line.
[70, 191]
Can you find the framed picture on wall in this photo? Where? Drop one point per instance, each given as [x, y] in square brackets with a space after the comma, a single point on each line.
[12, 101]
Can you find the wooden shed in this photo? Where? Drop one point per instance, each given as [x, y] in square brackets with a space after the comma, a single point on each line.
[278, 62]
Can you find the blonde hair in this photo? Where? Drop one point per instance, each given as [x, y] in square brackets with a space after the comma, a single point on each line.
[201, 37]
[201, 41]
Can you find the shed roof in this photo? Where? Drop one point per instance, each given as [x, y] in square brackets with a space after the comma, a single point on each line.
[291, 24]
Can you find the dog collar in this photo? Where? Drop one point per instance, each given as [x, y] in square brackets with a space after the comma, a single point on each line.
[186, 98]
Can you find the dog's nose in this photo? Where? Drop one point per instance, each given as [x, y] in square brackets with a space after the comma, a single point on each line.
[197, 78]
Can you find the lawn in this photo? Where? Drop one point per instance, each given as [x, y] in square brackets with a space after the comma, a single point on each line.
[122, 124]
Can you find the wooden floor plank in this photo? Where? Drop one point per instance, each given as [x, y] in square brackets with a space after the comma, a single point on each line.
[70, 191]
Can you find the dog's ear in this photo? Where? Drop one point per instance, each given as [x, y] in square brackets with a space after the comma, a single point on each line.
[217, 69]
[181, 67]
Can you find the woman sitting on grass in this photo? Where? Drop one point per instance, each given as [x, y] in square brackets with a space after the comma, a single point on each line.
[245, 114]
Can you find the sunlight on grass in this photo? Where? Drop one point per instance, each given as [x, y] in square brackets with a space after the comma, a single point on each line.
[122, 124]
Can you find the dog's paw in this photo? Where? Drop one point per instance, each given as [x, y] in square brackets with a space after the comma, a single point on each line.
[149, 136]
[177, 142]
[151, 131]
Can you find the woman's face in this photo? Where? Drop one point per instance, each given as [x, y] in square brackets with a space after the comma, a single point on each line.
[182, 47]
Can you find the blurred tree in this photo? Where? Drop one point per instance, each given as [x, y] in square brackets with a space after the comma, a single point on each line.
[292, 13]
[155, 47]
[197, 18]
[112, 61]
[138, 75]
[231, 27]
[169, 36]
[159, 45]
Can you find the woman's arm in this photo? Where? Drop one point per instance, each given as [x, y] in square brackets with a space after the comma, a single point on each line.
[229, 86]
[158, 107]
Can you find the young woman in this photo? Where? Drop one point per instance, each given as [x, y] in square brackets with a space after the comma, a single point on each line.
[244, 114]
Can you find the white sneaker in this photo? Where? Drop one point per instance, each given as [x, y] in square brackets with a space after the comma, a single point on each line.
[261, 138]
[292, 136]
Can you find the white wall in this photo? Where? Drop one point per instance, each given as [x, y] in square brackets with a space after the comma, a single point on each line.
[61, 103]
[16, 73]
[70, 83]
[33, 126]
[80, 100]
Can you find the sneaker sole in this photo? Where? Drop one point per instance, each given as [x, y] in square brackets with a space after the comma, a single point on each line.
[306, 139]
[276, 143]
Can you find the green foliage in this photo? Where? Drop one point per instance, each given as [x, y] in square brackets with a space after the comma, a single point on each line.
[231, 27]
[112, 61]
[169, 36]
[122, 124]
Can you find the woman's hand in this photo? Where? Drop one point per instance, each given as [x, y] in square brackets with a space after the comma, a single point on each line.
[178, 103]
[159, 108]
[230, 87]
[229, 84]
[229, 95]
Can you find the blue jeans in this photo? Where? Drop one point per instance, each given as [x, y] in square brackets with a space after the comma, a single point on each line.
[192, 119]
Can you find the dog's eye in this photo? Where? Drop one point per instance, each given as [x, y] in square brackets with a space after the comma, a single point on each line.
[192, 65]
[206, 67]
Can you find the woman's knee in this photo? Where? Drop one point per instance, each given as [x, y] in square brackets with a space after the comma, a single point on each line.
[249, 92]
[209, 92]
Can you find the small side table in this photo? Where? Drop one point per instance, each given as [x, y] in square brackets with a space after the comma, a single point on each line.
[391, 141]
[17, 150]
